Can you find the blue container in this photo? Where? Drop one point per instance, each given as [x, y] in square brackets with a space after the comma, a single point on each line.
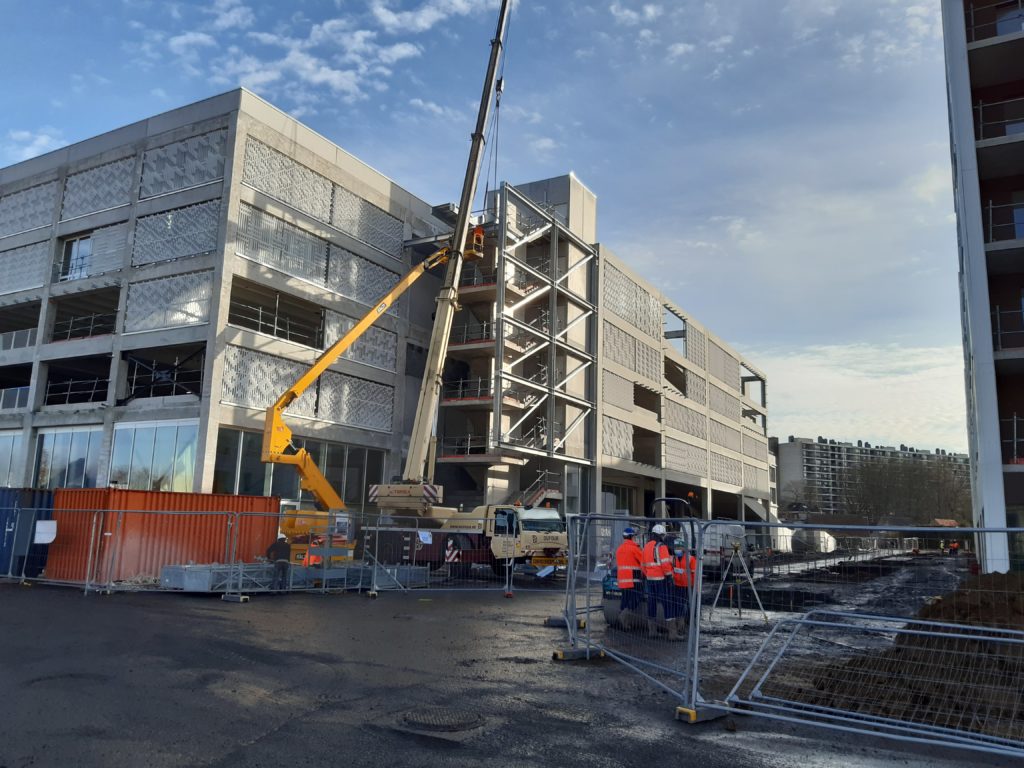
[19, 509]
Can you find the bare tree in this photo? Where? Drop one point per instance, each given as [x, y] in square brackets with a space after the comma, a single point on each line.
[910, 489]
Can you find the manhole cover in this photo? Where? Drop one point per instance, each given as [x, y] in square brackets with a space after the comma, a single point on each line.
[442, 719]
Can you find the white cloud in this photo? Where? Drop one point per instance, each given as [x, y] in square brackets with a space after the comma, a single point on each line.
[934, 185]
[23, 144]
[425, 17]
[883, 393]
[231, 14]
[719, 44]
[678, 50]
[623, 15]
[435, 110]
[543, 144]
[186, 43]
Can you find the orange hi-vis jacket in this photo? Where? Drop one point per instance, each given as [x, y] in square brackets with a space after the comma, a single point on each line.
[629, 564]
[657, 561]
[682, 575]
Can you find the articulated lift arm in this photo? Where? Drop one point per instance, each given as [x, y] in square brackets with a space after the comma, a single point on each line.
[277, 437]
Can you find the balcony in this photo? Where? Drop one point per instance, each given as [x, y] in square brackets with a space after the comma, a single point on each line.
[1011, 435]
[1003, 221]
[84, 326]
[998, 119]
[472, 449]
[479, 283]
[263, 310]
[164, 372]
[479, 393]
[84, 315]
[995, 41]
[64, 391]
[1007, 329]
[25, 337]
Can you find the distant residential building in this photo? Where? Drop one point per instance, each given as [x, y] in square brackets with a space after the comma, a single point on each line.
[815, 472]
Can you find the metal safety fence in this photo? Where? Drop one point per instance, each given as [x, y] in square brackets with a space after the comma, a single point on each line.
[911, 633]
[232, 553]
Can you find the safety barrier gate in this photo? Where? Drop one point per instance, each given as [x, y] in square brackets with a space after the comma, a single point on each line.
[877, 630]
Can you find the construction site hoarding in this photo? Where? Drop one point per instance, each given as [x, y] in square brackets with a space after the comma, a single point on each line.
[107, 535]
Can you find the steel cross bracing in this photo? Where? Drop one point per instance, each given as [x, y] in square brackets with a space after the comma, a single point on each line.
[544, 361]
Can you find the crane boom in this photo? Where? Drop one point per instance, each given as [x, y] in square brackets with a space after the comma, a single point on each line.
[426, 408]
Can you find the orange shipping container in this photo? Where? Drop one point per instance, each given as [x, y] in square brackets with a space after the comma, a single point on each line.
[115, 534]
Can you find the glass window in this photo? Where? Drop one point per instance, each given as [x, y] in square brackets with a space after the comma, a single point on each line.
[121, 456]
[253, 472]
[162, 472]
[10, 444]
[225, 469]
[142, 458]
[284, 481]
[334, 465]
[374, 467]
[76, 460]
[92, 459]
[185, 457]
[59, 453]
[355, 489]
[76, 258]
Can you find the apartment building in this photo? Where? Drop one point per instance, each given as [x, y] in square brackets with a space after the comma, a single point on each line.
[817, 469]
[984, 42]
[168, 280]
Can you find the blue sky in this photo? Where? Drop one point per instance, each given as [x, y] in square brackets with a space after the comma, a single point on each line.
[780, 168]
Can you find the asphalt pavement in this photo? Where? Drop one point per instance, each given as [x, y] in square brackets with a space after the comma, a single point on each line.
[326, 680]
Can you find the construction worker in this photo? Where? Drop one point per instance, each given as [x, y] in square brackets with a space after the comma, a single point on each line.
[657, 565]
[954, 547]
[279, 553]
[310, 559]
[684, 577]
[628, 572]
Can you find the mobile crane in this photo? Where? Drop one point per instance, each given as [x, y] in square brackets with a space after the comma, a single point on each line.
[511, 533]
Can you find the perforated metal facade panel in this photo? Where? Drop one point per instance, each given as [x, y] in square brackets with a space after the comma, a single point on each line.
[177, 233]
[617, 390]
[724, 403]
[282, 178]
[683, 457]
[169, 302]
[631, 302]
[256, 380]
[617, 438]
[648, 362]
[696, 346]
[696, 388]
[377, 346]
[619, 346]
[356, 402]
[108, 249]
[280, 245]
[28, 209]
[685, 419]
[183, 164]
[97, 189]
[365, 221]
[25, 267]
[727, 437]
[726, 470]
[754, 448]
[756, 478]
[723, 366]
[360, 279]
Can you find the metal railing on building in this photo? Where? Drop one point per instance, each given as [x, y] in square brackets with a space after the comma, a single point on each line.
[1004, 221]
[988, 19]
[156, 379]
[470, 333]
[465, 445]
[1007, 328]
[270, 321]
[20, 339]
[70, 391]
[999, 118]
[13, 397]
[1011, 433]
[84, 326]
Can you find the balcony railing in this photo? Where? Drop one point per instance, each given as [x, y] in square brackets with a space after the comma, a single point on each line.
[13, 397]
[1007, 328]
[84, 326]
[1011, 433]
[468, 389]
[1004, 221]
[467, 445]
[155, 379]
[1000, 118]
[986, 19]
[17, 339]
[270, 321]
[468, 334]
[76, 391]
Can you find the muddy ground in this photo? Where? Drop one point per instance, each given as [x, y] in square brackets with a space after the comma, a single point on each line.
[171, 680]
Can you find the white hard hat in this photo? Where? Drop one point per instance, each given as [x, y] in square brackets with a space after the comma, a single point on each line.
[659, 528]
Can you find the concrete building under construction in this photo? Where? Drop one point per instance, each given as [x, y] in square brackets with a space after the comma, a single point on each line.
[164, 282]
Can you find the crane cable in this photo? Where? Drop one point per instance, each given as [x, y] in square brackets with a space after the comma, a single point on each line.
[492, 133]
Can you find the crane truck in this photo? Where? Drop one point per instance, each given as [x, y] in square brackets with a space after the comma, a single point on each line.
[495, 534]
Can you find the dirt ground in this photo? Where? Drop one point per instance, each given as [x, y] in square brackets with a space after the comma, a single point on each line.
[405, 680]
